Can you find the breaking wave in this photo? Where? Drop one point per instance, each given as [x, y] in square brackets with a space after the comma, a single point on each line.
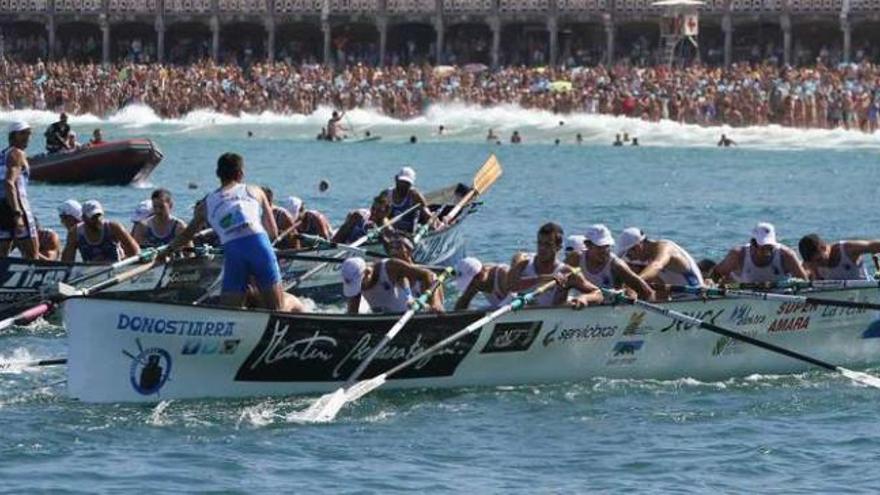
[462, 123]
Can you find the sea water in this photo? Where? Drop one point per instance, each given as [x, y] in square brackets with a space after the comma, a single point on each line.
[802, 433]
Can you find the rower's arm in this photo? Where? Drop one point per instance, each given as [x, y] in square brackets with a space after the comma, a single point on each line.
[129, 245]
[464, 300]
[516, 282]
[792, 264]
[633, 281]
[139, 232]
[70, 245]
[664, 255]
[52, 248]
[589, 293]
[13, 169]
[425, 212]
[266, 207]
[344, 230]
[731, 263]
[189, 232]
[324, 230]
[354, 304]
[858, 248]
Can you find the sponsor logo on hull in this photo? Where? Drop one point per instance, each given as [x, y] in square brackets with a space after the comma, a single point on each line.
[294, 349]
[512, 337]
[582, 334]
[624, 352]
[149, 370]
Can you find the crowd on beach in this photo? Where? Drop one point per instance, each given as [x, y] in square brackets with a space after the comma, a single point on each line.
[818, 96]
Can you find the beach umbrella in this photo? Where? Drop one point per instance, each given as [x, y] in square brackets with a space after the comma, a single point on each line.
[475, 68]
[443, 70]
[560, 86]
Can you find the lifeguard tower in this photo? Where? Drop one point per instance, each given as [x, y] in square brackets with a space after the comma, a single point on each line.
[681, 23]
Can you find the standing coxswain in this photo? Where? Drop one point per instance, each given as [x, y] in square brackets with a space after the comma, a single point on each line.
[531, 270]
[403, 196]
[99, 240]
[242, 217]
[603, 268]
[843, 260]
[659, 261]
[762, 260]
[161, 227]
[17, 224]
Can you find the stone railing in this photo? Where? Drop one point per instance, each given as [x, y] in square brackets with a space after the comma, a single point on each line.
[714, 6]
[468, 6]
[514, 6]
[575, 6]
[636, 7]
[864, 5]
[815, 5]
[410, 6]
[79, 6]
[133, 6]
[346, 6]
[298, 6]
[742, 6]
[23, 6]
[187, 6]
[243, 6]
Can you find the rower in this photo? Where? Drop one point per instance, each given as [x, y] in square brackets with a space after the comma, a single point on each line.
[161, 227]
[491, 136]
[57, 135]
[50, 244]
[573, 243]
[726, 142]
[403, 196]
[70, 215]
[242, 217]
[99, 240]
[387, 285]
[762, 260]
[283, 221]
[72, 143]
[359, 223]
[843, 260]
[17, 225]
[529, 270]
[515, 138]
[659, 261]
[603, 268]
[97, 138]
[334, 128]
[473, 277]
[310, 222]
[142, 212]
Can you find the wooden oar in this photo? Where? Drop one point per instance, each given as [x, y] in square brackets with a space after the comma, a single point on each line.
[857, 376]
[773, 296]
[369, 237]
[364, 387]
[483, 180]
[31, 364]
[328, 404]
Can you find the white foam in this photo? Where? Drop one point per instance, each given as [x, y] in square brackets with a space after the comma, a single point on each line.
[466, 123]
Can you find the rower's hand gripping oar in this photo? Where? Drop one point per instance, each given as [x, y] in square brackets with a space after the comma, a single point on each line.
[483, 180]
[371, 236]
[328, 405]
[857, 376]
[364, 387]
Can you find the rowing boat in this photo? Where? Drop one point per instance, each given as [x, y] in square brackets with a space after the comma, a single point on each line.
[136, 351]
[181, 280]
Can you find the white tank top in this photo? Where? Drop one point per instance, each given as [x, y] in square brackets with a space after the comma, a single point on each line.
[753, 274]
[604, 278]
[546, 298]
[386, 296]
[233, 213]
[498, 297]
[692, 275]
[846, 268]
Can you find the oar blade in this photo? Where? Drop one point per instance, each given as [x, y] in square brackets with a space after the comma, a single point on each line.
[487, 175]
[322, 410]
[364, 387]
[860, 377]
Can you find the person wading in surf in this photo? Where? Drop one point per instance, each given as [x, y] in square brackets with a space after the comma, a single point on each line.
[843, 260]
[603, 268]
[161, 227]
[99, 240]
[17, 224]
[242, 217]
[763, 260]
[659, 262]
[529, 270]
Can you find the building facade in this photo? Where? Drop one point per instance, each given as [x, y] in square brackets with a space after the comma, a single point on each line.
[491, 32]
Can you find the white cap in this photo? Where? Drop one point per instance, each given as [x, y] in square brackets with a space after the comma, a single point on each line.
[71, 208]
[293, 205]
[17, 126]
[629, 238]
[599, 235]
[406, 174]
[465, 271]
[353, 276]
[764, 234]
[143, 211]
[574, 243]
[91, 208]
[71, 134]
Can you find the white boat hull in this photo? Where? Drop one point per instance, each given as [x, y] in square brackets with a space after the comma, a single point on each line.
[145, 352]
